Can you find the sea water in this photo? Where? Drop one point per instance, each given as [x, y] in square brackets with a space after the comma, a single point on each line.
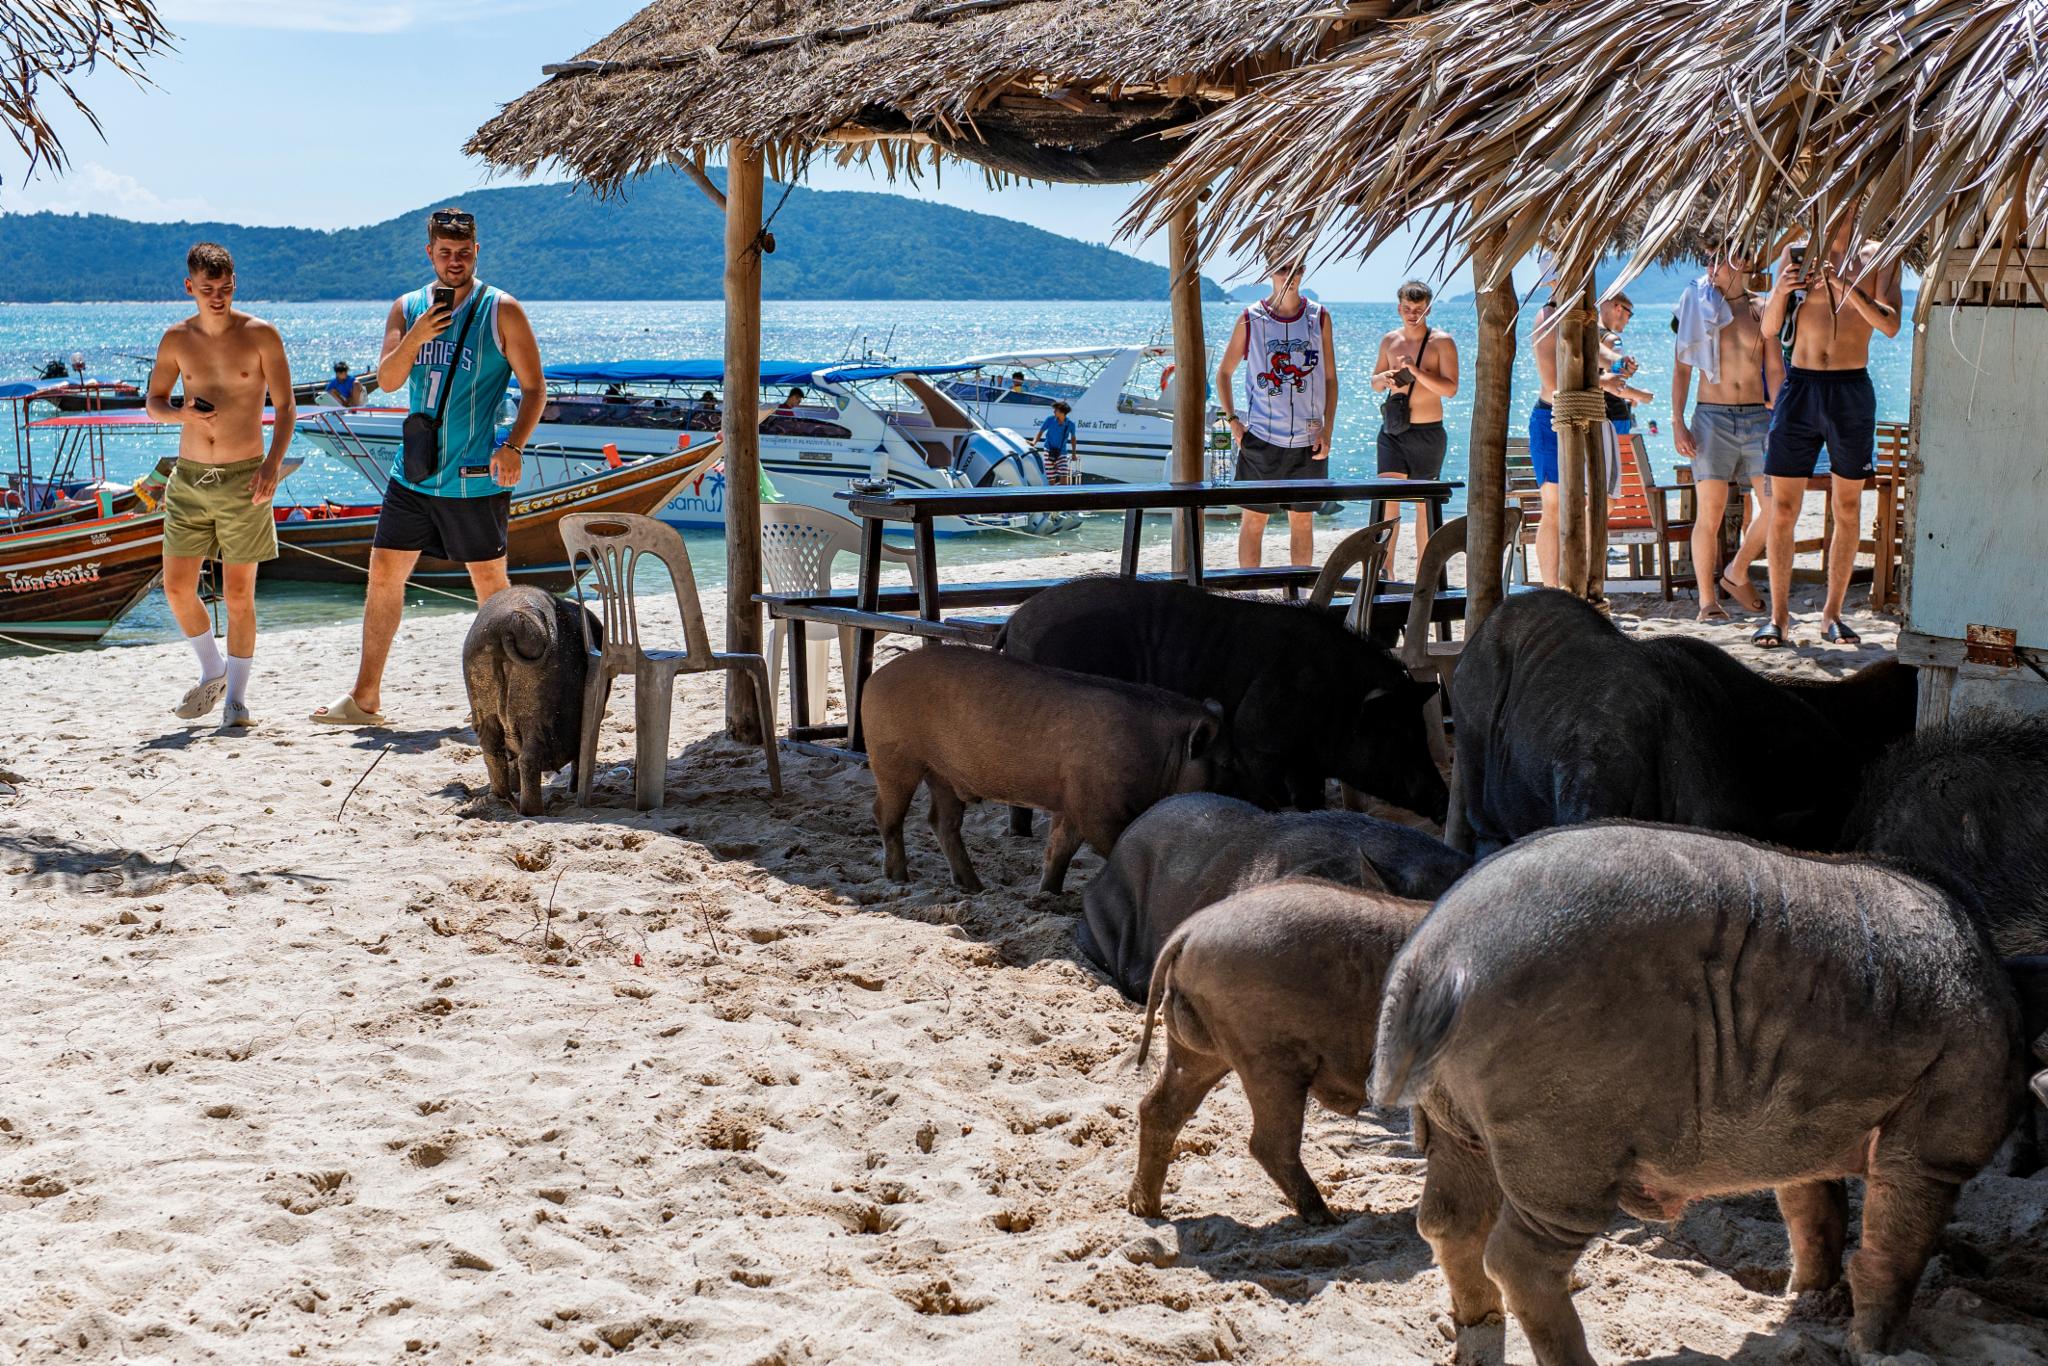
[118, 341]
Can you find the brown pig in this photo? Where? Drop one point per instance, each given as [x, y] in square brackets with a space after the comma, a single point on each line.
[1281, 985]
[976, 725]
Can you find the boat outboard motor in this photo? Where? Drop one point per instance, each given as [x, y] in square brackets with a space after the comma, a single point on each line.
[987, 459]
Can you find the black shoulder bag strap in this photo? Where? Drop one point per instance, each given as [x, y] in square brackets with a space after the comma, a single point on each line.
[421, 434]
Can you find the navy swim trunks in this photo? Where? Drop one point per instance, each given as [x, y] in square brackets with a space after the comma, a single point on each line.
[1832, 408]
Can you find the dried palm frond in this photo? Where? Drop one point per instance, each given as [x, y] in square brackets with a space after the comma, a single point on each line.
[909, 80]
[1656, 125]
[45, 43]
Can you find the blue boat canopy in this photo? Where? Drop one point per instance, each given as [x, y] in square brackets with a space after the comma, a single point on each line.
[774, 373]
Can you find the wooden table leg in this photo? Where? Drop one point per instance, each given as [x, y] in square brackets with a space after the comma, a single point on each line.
[927, 570]
[1134, 529]
[799, 674]
[863, 636]
[1191, 524]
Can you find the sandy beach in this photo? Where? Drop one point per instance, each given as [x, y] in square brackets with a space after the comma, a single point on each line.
[316, 1052]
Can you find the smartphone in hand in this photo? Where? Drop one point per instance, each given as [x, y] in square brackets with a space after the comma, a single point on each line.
[444, 297]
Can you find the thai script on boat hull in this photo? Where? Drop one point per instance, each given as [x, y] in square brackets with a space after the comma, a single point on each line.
[69, 576]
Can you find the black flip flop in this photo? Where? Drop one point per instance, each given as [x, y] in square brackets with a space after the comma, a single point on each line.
[1767, 636]
[1838, 634]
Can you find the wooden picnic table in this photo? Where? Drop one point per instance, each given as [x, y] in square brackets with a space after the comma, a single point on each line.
[922, 508]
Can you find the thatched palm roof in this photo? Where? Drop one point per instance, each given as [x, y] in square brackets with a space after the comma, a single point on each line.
[44, 43]
[1572, 122]
[1049, 89]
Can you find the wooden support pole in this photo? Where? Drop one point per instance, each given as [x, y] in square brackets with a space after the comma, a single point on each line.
[741, 430]
[1573, 366]
[1190, 363]
[1597, 492]
[1486, 471]
[694, 169]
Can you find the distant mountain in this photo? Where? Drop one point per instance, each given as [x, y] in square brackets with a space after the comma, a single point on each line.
[661, 239]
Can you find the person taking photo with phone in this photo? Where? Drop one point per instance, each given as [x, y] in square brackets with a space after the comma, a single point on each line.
[455, 344]
[1844, 295]
[217, 501]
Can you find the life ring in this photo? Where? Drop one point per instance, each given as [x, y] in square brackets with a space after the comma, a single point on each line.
[1166, 377]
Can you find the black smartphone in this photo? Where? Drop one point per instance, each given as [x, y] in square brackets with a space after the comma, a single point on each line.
[444, 297]
[200, 405]
[1798, 257]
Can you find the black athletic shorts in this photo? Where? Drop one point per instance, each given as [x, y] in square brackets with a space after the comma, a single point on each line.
[1261, 459]
[1417, 453]
[1832, 408]
[463, 530]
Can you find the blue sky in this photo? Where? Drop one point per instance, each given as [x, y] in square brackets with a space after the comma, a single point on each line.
[333, 113]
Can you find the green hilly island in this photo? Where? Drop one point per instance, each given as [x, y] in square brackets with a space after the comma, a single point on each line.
[662, 239]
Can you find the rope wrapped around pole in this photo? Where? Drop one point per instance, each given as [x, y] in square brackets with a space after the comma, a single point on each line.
[1577, 408]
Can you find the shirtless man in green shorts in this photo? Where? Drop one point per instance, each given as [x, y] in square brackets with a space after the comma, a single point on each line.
[218, 502]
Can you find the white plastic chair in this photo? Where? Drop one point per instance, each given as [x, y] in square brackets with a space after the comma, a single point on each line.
[612, 543]
[798, 546]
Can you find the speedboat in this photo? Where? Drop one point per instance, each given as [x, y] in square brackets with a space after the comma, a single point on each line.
[1121, 399]
[873, 423]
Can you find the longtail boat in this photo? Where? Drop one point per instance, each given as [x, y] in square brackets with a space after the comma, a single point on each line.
[75, 554]
[330, 543]
[76, 579]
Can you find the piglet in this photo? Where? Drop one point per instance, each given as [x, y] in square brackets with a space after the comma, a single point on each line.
[1281, 985]
[525, 664]
[975, 725]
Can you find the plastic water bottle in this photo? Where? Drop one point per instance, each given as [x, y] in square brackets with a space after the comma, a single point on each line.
[1220, 464]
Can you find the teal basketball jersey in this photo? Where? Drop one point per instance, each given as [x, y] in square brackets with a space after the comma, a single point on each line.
[476, 400]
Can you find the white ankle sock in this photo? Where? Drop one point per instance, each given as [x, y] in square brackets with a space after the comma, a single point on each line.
[238, 678]
[210, 664]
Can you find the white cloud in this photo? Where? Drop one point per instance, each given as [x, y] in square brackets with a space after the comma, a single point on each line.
[92, 188]
[334, 16]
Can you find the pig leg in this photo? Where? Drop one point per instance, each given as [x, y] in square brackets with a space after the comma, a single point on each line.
[893, 790]
[1277, 1103]
[529, 783]
[1817, 1216]
[947, 810]
[1020, 821]
[1904, 1213]
[490, 737]
[1187, 1076]
[1531, 1259]
[1460, 1201]
[1062, 842]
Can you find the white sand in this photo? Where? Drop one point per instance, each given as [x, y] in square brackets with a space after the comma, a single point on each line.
[424, 1081]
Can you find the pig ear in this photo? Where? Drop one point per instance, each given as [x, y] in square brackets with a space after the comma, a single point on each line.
[2040, 1085]
[1202, 736]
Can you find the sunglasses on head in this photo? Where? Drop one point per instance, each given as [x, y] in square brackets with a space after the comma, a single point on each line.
[455, 221]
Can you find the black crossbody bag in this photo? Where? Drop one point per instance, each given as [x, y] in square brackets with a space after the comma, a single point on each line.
[1394, 418]
[420, 437]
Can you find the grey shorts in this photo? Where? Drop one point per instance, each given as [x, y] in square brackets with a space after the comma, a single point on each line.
[1730, 438]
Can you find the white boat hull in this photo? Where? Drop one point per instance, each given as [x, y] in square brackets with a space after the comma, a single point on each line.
[798, 471]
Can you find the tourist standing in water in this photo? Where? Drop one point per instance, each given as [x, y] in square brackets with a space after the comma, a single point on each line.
[1290, 395]
[453, 502]
[217, 503]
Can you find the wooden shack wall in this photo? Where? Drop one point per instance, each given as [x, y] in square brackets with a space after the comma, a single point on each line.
[1981, 515]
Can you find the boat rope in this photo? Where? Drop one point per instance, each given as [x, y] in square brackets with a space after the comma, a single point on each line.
[423, 587]
[31, 645]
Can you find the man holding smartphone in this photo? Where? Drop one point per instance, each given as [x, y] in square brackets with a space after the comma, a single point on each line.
[454, 504]
[217, 501]
[1845, 296]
